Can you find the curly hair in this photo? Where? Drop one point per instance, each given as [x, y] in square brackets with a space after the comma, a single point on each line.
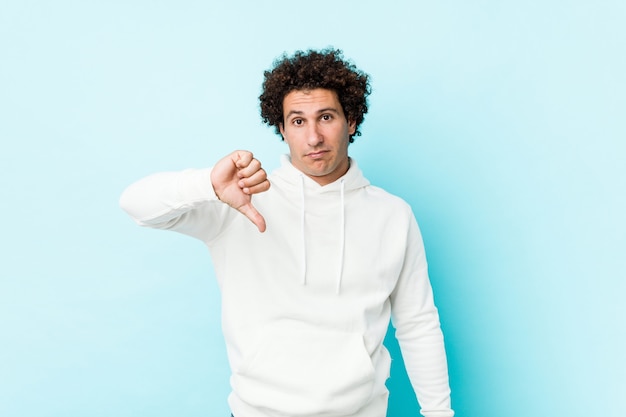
[308, 70]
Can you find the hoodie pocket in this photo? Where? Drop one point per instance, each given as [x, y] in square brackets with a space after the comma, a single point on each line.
[299, 370]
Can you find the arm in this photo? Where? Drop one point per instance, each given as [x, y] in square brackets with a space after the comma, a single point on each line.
[176, 201]
[418, 331]
[192, 201]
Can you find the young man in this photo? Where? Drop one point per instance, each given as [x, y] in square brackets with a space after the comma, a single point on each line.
[312, 268]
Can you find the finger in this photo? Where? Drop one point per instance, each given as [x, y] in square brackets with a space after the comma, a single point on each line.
[253, 166]
[256, 178]
[242, 158]
[257, 188]
[255, 217]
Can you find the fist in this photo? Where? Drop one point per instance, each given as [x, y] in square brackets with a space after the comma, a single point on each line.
[235, 178]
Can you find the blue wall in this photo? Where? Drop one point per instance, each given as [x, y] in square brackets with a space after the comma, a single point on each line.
[502, 123]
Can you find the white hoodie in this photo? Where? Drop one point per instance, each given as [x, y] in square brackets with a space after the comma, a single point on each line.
[306, 305]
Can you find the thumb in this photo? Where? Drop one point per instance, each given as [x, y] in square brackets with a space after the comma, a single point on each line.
[255, 217]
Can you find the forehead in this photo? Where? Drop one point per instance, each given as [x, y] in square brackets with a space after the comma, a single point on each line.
[304, 101]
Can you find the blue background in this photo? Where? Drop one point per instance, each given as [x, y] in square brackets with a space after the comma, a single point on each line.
[501, 123]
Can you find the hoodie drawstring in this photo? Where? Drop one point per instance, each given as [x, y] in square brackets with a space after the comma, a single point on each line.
[342, 237]
[302, 229]
[342, 231]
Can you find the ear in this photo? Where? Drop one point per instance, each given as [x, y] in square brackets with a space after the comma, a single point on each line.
[283, 133]
[351, 127]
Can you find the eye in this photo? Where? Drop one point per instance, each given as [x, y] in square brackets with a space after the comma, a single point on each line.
[297, 122]
[327, 117]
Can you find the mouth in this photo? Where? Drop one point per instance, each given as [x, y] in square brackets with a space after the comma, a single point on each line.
[316, 154]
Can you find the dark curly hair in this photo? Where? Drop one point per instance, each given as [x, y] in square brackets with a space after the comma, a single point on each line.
[308, 70]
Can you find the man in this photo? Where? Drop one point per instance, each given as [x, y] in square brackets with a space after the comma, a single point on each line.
[307, 298]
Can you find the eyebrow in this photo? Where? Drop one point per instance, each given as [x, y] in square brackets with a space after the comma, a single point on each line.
[324, 110]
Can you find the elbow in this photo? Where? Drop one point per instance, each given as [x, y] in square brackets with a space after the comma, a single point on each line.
[125, 201]
[128, 203]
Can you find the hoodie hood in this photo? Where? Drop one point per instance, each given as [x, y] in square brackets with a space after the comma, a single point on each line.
[314, 199]
[291, 177]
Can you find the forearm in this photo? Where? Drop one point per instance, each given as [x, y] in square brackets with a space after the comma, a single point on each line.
[423, 351]
[183, 201]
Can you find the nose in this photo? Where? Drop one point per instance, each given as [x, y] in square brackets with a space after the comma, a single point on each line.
[314, 135]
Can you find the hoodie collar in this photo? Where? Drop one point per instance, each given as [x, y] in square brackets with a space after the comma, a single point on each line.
[291, 176]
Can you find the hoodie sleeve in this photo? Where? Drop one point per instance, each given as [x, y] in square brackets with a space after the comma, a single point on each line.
[181, 201]
[418, 330]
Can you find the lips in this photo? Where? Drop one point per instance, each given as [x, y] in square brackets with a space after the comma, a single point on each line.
[316, 154]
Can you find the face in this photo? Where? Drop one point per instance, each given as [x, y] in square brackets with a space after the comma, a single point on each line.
[318, 133]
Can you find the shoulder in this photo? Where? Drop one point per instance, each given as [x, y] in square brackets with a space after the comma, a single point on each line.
[385, 199]
[384, 206]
